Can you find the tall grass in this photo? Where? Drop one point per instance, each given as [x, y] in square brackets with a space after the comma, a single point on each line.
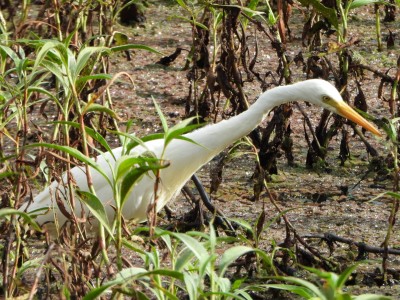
[56, 112]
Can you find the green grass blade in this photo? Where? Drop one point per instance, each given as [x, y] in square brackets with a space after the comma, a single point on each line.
[84, 79]
[43, 52]
[372, 297]
[128, 162]
[5, 212]
[179, 129]
[326, 12]
[75, 153]
[299, 290]
[96, 207]
[122, 277]
[135, 141]
[95, 107]
[131, 177]
[231, 255]
[161, 116]
[84, 56]
[341, 280]
[305, 284]
[92, 133]
[183, 259]
[192, 285]
[135, 46]
[195, 246]
[358, 3]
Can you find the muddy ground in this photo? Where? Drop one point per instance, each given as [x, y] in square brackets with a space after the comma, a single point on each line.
[326, 200]
[334, 199]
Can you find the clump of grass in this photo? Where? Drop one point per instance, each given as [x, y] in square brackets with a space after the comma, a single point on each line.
[56, 112]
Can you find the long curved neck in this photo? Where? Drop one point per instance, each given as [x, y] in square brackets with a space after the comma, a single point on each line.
[218, 136]
[186, 158]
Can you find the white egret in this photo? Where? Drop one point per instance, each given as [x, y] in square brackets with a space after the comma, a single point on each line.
[186, 158]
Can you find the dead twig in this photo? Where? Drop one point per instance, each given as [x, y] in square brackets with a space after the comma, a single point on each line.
[362, 247]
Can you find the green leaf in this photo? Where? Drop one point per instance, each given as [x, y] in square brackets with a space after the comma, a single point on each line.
[135, 141]
[120, 38]
[84, 56]
[205, 263]
[305, 284]
[345, 275]
[183, 259]
[372, 297]
[96, 207]
[5, 212]
[135, 46]
[195, 246]
[191, 21]
[192, 284]
[130, 274]
[92, 133]
[128, 162]
[42, 91]
[182, 4]
[122, 277]
[137, 166]
[58, 72]
[328, 13]
[130, 179]
[161, 116]
[75, 153]
[29, 264]
[132, 246]
[358, 3]
[247, 10]
[301, 291]
[4, 50]
[226, 295]
[179, 129]
[7, 174]
[94, 107]
[84, 79]
[392, 194]
[67, 149]
[43, 52]
[231, 255]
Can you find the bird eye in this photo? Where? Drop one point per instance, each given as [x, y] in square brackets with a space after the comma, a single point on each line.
[326, 99]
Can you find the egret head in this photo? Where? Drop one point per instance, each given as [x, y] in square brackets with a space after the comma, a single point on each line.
[324, 94]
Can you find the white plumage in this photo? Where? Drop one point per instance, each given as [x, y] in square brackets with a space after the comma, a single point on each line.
[186, 158]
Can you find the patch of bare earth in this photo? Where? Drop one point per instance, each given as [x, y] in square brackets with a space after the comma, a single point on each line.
[334, 200]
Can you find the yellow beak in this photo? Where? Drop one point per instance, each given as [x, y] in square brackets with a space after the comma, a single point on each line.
[346, 111]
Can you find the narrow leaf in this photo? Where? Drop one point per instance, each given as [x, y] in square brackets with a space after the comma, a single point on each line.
[5, 212]
[95, 107]
[303, 283]
[96, 207]
[135, 46]
[299, 290]
[328, 13]
[92, 133]
[84, 56]
[358, 3]
[73, 152]
[161, 116]
[231, 255]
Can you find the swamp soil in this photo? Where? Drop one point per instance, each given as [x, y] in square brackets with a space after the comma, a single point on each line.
[334, 199]
[327, 199]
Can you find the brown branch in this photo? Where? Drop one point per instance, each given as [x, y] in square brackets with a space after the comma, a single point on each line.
[362, 247]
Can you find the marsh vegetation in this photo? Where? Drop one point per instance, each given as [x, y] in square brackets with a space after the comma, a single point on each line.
[308, 194]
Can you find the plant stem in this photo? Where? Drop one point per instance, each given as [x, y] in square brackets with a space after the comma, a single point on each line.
[378, 27]
[396, 179]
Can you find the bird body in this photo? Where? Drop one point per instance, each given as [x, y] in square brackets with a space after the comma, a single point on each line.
[186, 158]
